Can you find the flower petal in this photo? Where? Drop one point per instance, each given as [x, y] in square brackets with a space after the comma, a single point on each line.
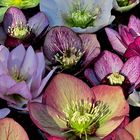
[134, 99]
[4, 54]
[13, 16]
[4, 112]
[134, 127]
[115, 40]
[131, 69]
[133, 49]
[90, 75]
[64, 89]
[9, 129]
[16, 58]
[114, 98]
[134, 23]
[59, 39]
[106, 64]
[29, 65]
[126, 35]
[91, 47]
[122, 134]
[35, 24]
[41, 115]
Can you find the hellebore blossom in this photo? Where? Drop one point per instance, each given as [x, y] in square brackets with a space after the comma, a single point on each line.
[19, 30]
[126, 41]
[109, 68]
[67, 50]
[130, 132]
[21, 76]
[124, 5]
[11, 130]
[72, 110]
[86, 16]
[22, 4]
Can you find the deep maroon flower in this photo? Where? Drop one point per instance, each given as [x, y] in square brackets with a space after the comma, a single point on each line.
[67, 50]
[19, 30]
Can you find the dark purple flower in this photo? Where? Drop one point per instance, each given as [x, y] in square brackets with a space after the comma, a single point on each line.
[64, 48]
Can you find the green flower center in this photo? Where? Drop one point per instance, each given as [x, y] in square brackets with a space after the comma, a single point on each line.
[81, 16]
[17, 76]
[69, 58]
[84, 117]
[116, 78]
[20, 30]
[122, 3]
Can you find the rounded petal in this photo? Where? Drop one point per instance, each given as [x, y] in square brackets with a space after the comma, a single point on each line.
[35, 24]
[9, 129]
[4, 112]
[131, 69]
[106, 64]
[91, 47]
[119, 108]
[16, 58]
[134, 127]
[115, 40]
[59, 39]
[65, 89]
[13, 16]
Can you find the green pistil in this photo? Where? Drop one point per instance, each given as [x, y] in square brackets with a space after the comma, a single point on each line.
[17, 76]
[81, 17]
[122, 3]
[19, 30]
[69, 58]
[84, 117]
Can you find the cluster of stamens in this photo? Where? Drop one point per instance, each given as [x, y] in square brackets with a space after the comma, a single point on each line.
[17, 76]
[80, 16]
[69, 57]
[116, 78]
[19, 30]
[83, 117]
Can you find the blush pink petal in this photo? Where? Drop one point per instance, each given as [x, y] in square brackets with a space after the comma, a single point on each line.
[11, 130]
[114, 98]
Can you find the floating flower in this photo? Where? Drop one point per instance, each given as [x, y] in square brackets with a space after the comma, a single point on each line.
[70, 109]
[125, 5]
[22, 4]
[80, 15]
[4, 112]
[64, 48]
[21, 75]
[131, 131]
[109, 68]
[127, 39]
[11, 130]
[19, 30]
